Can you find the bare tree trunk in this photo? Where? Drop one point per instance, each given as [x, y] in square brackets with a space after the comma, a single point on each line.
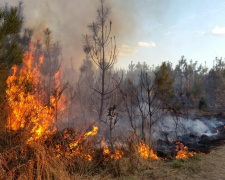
[143, 129]
[103, 66]
[150, 117]
[102, 95]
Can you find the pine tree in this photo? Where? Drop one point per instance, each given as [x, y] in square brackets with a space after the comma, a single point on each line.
[102, 49]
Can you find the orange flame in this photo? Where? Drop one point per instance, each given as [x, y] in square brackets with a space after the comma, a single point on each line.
[75, 149]
[117, 154]
[58, 97]
[218, 131]
[146, 152]
[182, 151]
[27, 110]
[105, 147]
[90, 133]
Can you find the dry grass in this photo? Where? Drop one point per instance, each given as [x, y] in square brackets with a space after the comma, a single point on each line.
[34, 162]
[201, 167]
[19, 160]
[41, 160]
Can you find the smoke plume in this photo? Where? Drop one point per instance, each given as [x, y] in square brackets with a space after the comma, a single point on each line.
[68, 20]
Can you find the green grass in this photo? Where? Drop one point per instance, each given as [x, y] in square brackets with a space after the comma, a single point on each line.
[187, 164]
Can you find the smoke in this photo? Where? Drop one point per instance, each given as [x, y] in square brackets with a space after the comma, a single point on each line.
[186, 126]
[68, 20]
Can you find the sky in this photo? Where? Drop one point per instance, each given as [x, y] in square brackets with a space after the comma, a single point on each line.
[151, 31]
[172, 28]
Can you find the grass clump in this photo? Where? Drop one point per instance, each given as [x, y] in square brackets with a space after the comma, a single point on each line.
[186, 164]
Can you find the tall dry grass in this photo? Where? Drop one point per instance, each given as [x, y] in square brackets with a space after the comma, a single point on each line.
[53, 159]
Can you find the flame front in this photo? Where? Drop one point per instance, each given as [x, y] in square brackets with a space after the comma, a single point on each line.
[25, 98]
[146, 152]
[182, 151]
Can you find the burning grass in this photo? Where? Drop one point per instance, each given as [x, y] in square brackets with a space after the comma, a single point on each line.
[146, 152]
[182, 151]
[67, 153]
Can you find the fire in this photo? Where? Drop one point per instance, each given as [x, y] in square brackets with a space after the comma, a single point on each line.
[92, 133]
[81, 138]
[26, 109]
[117, 154]
[105, 147]
[146, 152]
[76, 148]
[218, 131]
[106, 150]
[25, 95]
[182, 151]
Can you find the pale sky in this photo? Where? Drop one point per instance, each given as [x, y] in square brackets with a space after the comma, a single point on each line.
[146, 30]
[193, 28]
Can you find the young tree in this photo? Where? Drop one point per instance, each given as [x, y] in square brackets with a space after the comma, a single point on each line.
[11, 51]
[51, 63]
[102, 49]
[164, 85]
